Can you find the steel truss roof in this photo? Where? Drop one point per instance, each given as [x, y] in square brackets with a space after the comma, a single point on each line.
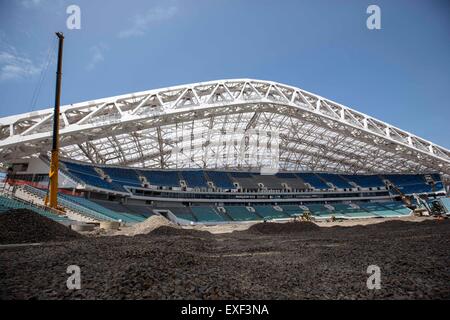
[202, 125]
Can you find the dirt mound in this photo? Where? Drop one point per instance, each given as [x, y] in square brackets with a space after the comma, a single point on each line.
[26, 226]
[388, 226]
[170, 231]
[283, 228]
[329, 264]
[147, 226]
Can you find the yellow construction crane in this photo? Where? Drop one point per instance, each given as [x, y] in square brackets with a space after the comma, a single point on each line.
[52, 196]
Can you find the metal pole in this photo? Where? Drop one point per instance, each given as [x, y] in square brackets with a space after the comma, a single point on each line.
[54, 164]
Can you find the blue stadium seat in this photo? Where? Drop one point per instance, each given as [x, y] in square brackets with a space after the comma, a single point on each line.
[292, 210]
[162, 178]
[207, 214]
[82, 168]
[98, 182]
[365, 181]
[382, 209]
[336, 180]
[410, 183]
[241, 213]
[269, 212]
[123, 176]
[319, 211]
[241, 174]
[220, 179]
[194, 179]
[124, 216]
[184, 213]
[313, 180]
[446, 204]
[351, 212]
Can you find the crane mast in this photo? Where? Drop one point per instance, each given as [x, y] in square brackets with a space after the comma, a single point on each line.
[52, 196]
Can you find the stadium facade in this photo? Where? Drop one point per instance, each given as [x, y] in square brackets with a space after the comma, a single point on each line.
[227, 150]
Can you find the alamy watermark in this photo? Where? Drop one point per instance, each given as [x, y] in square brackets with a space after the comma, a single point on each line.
[74, 280]
[374, 20]
[374, 280]
[73, 21]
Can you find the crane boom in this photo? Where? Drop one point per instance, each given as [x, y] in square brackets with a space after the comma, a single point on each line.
[52, 199]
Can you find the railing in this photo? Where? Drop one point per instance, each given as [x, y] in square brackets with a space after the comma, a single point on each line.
[71, 205]
[31, 205]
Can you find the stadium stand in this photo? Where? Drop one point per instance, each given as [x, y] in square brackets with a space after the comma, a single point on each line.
[207, 214]
[140, 210]
[80, 168]
[335, 180]
[291, 180]
[269, 212]
[96, 181]
[270, 182]
[365, 181]
[123, 176]
[383, 211]
[246, 183]
[241, 213]
[352, 211]
[220, 179]
[293, 210]
[125, 217]
[409, 183]
[7, 203]
[319, 211]
[194, 179]
[397, 207]
[162, 178]
[183, 213]
[89, 208]
[446, 204]
[313, 180]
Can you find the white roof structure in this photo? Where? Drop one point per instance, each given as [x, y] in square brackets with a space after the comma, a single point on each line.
[239, 123]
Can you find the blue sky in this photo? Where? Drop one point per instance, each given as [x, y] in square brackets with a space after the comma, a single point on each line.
[399, 74]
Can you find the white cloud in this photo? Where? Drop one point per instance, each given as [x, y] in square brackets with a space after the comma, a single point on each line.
[141, 23]
[14, 66]
[96, 55]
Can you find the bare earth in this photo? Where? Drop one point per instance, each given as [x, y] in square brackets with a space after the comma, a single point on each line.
[265, 261]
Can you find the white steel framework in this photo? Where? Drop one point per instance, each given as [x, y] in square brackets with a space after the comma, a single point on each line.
[185, 126]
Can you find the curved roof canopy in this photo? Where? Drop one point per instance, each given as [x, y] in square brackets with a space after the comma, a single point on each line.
[223, 124]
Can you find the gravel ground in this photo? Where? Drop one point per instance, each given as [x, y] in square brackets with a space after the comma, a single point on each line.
[268, 261]
[25, 226]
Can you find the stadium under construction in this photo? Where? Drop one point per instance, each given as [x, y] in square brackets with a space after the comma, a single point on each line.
[219, 152]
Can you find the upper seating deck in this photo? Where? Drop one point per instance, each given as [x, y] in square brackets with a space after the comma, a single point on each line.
[313, 180]
[220, 179]
[410, 183]
[248, 181]
[162, 178]
[336, 180]
[126, 176]
[194, 179]
[365, 181]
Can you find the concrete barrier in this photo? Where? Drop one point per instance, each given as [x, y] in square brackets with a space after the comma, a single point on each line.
[109, 225]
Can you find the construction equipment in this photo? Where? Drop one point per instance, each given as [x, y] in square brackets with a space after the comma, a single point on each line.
[52, 196]
[437, 209]
[407, 200]
[306, 216]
